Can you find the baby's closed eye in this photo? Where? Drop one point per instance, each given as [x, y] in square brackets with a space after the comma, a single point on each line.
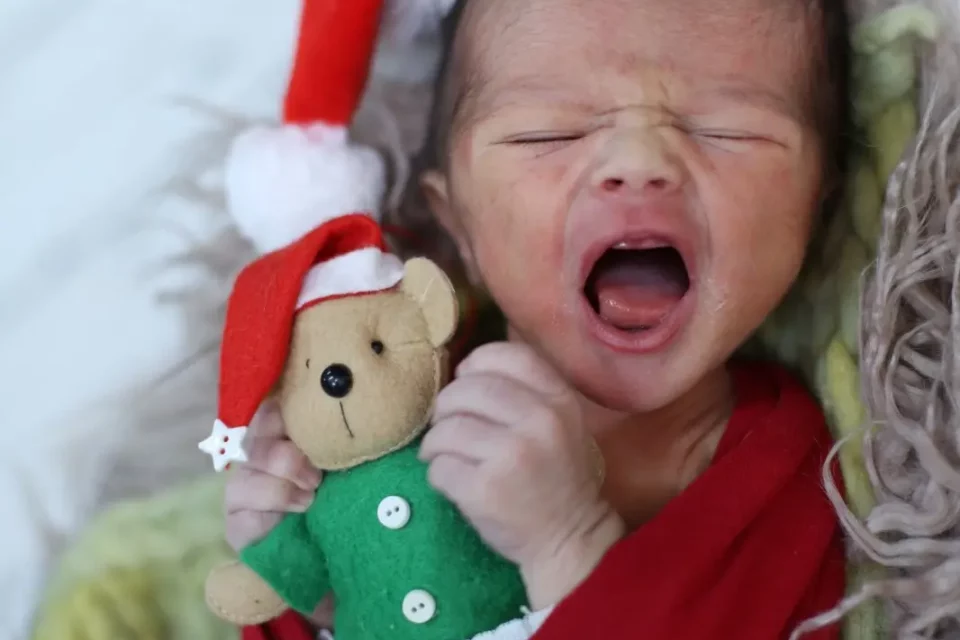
[727, 140]
[544, 137]
[715, 133]
[544, 141]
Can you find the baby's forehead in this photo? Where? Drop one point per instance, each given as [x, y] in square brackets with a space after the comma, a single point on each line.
[505, 45]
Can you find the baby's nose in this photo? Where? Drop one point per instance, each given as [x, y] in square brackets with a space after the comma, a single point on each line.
[638, 161]
[336, 381]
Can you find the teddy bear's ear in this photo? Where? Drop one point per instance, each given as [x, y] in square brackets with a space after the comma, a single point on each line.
[426, 283]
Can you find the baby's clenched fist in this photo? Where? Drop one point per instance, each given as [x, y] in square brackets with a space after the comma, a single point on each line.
[508, 447]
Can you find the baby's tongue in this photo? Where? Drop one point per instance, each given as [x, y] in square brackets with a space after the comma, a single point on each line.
[636, 290]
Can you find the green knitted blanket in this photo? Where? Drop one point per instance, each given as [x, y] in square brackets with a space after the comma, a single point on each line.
[137, 573]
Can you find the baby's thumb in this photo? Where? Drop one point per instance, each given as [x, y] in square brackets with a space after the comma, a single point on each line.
[246, 527]
[267, 422]
[322, 616]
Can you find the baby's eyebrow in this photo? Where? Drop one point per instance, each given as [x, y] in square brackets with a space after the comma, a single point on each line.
[754, 95]
[487, 99]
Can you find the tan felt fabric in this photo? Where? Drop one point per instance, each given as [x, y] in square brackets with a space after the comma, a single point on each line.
[237, 595]
[393, 386]
[386, 355]
[426, 283]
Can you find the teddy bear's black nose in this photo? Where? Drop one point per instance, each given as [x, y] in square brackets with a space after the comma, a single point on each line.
[336, 381]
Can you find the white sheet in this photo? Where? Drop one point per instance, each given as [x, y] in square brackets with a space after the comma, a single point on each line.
[89, 128]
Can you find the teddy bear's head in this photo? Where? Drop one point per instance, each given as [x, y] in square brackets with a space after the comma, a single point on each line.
[363, 371]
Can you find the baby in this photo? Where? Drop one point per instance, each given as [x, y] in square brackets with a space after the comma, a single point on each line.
[635, 183]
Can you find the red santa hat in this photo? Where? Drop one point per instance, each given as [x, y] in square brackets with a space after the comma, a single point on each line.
[343, 257]
[281, 181]
[308, 198]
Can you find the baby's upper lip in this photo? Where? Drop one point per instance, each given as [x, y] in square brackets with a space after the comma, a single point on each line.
[640, 227]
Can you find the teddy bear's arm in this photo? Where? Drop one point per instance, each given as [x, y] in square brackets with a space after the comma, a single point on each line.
[291, 561]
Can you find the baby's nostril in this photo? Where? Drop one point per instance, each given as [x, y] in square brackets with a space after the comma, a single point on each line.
[336, 381]
[612, 184]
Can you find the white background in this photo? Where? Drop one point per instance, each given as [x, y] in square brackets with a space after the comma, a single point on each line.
[90, 132]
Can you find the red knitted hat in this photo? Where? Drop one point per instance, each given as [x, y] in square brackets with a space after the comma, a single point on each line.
[308, 198]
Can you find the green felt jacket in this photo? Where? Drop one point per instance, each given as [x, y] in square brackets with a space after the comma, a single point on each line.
[400, 559]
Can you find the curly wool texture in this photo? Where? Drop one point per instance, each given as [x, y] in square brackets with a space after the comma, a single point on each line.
[901, 473]
[910, 366]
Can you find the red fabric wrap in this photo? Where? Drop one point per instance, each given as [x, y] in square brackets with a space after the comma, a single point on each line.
[289, 626]
[749, 550]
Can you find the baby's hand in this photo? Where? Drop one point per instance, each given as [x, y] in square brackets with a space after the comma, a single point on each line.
[509, 449]
[277, 478]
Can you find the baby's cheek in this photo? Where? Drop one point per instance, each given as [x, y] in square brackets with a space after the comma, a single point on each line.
[516, 210]
[759, 219]
[763, 202]
[516, 220]
[764, 250]
[521, 275]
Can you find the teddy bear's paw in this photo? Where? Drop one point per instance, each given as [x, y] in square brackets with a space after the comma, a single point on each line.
[238, 595]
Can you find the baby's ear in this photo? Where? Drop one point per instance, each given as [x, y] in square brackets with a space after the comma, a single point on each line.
[429, 286]
[437, 194]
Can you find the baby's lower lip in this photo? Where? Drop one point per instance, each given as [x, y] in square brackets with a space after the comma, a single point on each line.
[638, 341]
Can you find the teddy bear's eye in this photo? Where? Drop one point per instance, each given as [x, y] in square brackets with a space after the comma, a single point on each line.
[377, 347]
[308, 363]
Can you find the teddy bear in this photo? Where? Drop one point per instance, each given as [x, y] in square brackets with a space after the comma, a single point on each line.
[351, 342]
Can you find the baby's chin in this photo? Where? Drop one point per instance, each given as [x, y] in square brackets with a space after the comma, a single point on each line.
[620, 382]
[623, 369]
[628, 384]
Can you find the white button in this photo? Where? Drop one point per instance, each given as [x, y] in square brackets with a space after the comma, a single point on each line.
[393, 512]
[419, 606]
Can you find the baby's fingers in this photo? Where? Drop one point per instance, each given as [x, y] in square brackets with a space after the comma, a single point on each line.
[246, 527]
[466, 436]
[252, 490]
[282, 459]
[517, 362]
[323, 616]
[267, 422]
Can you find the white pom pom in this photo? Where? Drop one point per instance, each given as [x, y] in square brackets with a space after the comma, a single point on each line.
[405, 20]
[283, 182]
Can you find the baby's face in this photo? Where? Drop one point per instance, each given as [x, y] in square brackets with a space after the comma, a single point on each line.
[634, 181]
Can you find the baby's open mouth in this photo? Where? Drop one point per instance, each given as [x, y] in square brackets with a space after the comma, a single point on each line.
[635, 289]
